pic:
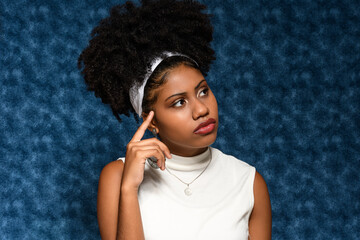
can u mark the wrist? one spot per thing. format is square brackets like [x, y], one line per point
[129, 190]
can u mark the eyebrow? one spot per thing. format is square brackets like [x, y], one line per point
[183, 93]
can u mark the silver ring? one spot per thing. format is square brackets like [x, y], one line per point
[152, 162]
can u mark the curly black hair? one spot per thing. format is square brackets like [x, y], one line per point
[123, 45]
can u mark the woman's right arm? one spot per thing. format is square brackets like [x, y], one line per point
[108, 199]
[129, 221]
[118, 209]
[118, 206]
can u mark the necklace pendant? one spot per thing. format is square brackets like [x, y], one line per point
[187, 191]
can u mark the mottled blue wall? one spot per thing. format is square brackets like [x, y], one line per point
[287, 79]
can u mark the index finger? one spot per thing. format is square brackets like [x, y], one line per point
[141, 130]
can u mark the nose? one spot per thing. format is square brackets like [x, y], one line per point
[200, 109]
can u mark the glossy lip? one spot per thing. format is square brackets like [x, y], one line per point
[204, 124]
[206, 130]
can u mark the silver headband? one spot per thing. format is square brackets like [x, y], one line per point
[137, 92]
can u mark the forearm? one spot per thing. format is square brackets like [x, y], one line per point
[129, 221]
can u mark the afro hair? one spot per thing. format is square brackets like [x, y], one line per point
[123, 45]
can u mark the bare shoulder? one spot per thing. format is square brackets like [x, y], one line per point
[261, 194]
[110, 180]
[113, 169]
[260, 186]
[260, 219]
[108, 198]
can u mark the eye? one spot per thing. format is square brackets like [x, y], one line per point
[204, 92]
[179, 103]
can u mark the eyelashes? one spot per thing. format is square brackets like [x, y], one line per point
[182, 100]
[179, 101]
[206, 90]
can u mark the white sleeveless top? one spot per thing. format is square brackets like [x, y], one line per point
[220, 204]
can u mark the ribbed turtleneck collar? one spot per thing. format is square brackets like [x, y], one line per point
[197, 162]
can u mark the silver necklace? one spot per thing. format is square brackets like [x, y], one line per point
[187, 190]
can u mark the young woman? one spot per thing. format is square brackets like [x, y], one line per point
[151, 61]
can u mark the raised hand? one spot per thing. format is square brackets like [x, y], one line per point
[137, 151]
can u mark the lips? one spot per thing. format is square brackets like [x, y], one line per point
[204, 126]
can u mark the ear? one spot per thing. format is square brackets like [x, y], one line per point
[152, 124]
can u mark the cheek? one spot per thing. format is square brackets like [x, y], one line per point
[177, 125]
[213, 104]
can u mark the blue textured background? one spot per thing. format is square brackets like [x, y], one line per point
[287, 79]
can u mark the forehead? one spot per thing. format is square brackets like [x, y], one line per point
[181, 79]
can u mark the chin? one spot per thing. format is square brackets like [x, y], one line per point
[193, 141]
[205, 140]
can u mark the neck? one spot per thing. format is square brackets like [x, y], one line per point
[197, 162]
[184, 151]
[187, 152]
